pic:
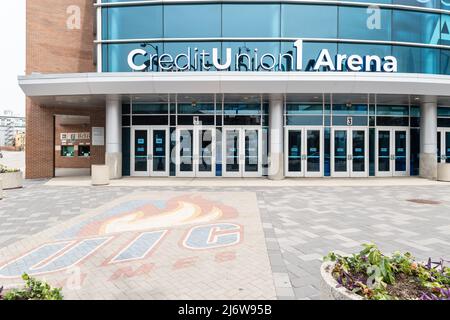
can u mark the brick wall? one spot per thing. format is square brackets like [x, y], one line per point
[54, 48]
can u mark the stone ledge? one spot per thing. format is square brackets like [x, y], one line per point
[329, 287]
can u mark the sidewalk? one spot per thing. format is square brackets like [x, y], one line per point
[247, 182]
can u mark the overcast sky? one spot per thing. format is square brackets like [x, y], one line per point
[12, 55]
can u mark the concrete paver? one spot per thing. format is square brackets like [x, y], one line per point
[286, 230]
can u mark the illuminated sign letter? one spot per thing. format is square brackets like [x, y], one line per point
[390, 64]
[216, 63]
[324, 61]
[354, 63]
[299, 46]
[132, 55]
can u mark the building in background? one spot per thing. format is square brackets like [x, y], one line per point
[10, 126]
[20, 141]
[242, 89]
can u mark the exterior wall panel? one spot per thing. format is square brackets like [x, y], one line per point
[52, 47]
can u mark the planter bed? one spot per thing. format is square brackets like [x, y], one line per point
[373, 276]
[11, 180]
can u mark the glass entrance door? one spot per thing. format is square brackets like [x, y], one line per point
[304, 152]
[392, 152]
[349, 152]
[205, 152]
[195, 152]
[150, 152]
[443, 145]
[242, 154]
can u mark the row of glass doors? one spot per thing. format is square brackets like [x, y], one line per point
[349, 152]
[195, 153]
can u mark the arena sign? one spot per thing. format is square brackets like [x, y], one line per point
[195, 59]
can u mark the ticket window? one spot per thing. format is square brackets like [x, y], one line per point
[84, 151]
[68, 151]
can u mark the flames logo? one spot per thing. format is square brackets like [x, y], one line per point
[177, 211]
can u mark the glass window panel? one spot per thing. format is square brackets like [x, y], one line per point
[242, 109]
[350, 109]
[443, 111]
[134, 22]
[364, 23]
[409, 26]
[150, 108]
[253, 55]
[191, 108]
[316, 109]
[418, 3]
[393, 121]
[192, 20]
[309, 21]
[416, 60]
[445, 62]
[251, 20]
[445, 29]
[392, 110]
[356, 121]
[304, 120]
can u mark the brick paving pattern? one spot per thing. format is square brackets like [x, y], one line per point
[287, 231]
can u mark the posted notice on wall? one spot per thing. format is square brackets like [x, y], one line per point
[98, 136]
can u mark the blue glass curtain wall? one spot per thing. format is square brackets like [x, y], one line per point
[431, 4]
[278, 21]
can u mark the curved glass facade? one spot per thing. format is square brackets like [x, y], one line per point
[262, 35]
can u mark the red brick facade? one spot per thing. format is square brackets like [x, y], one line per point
[53, 47]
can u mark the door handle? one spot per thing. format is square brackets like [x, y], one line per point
[444, 157]
[150, 157]
[392, 157]
[350, 157]
[304, 157]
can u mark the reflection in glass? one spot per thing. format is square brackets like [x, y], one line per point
[359, 151]
[447, 147]
[295, 150]
[340, 151]
[439, 150]
[313, 150]
[206, 144]
[186, 152]
[232, 150]
[251, 20]
[400, 150]
[140, 151]
[159, 150]
[384, 151]
[251, 150]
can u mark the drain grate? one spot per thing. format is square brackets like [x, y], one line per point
[423, 201]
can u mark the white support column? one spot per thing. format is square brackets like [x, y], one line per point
[428, 138]
[113, 157]
[276, 165]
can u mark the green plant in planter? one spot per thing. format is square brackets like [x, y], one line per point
[375, 276]
[34, 290]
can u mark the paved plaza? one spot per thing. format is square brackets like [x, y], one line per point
[211, 242]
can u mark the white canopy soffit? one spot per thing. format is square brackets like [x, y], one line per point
[38, 85]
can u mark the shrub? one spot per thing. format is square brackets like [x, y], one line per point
[4, 169]
[375, 276]
[34, 290]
